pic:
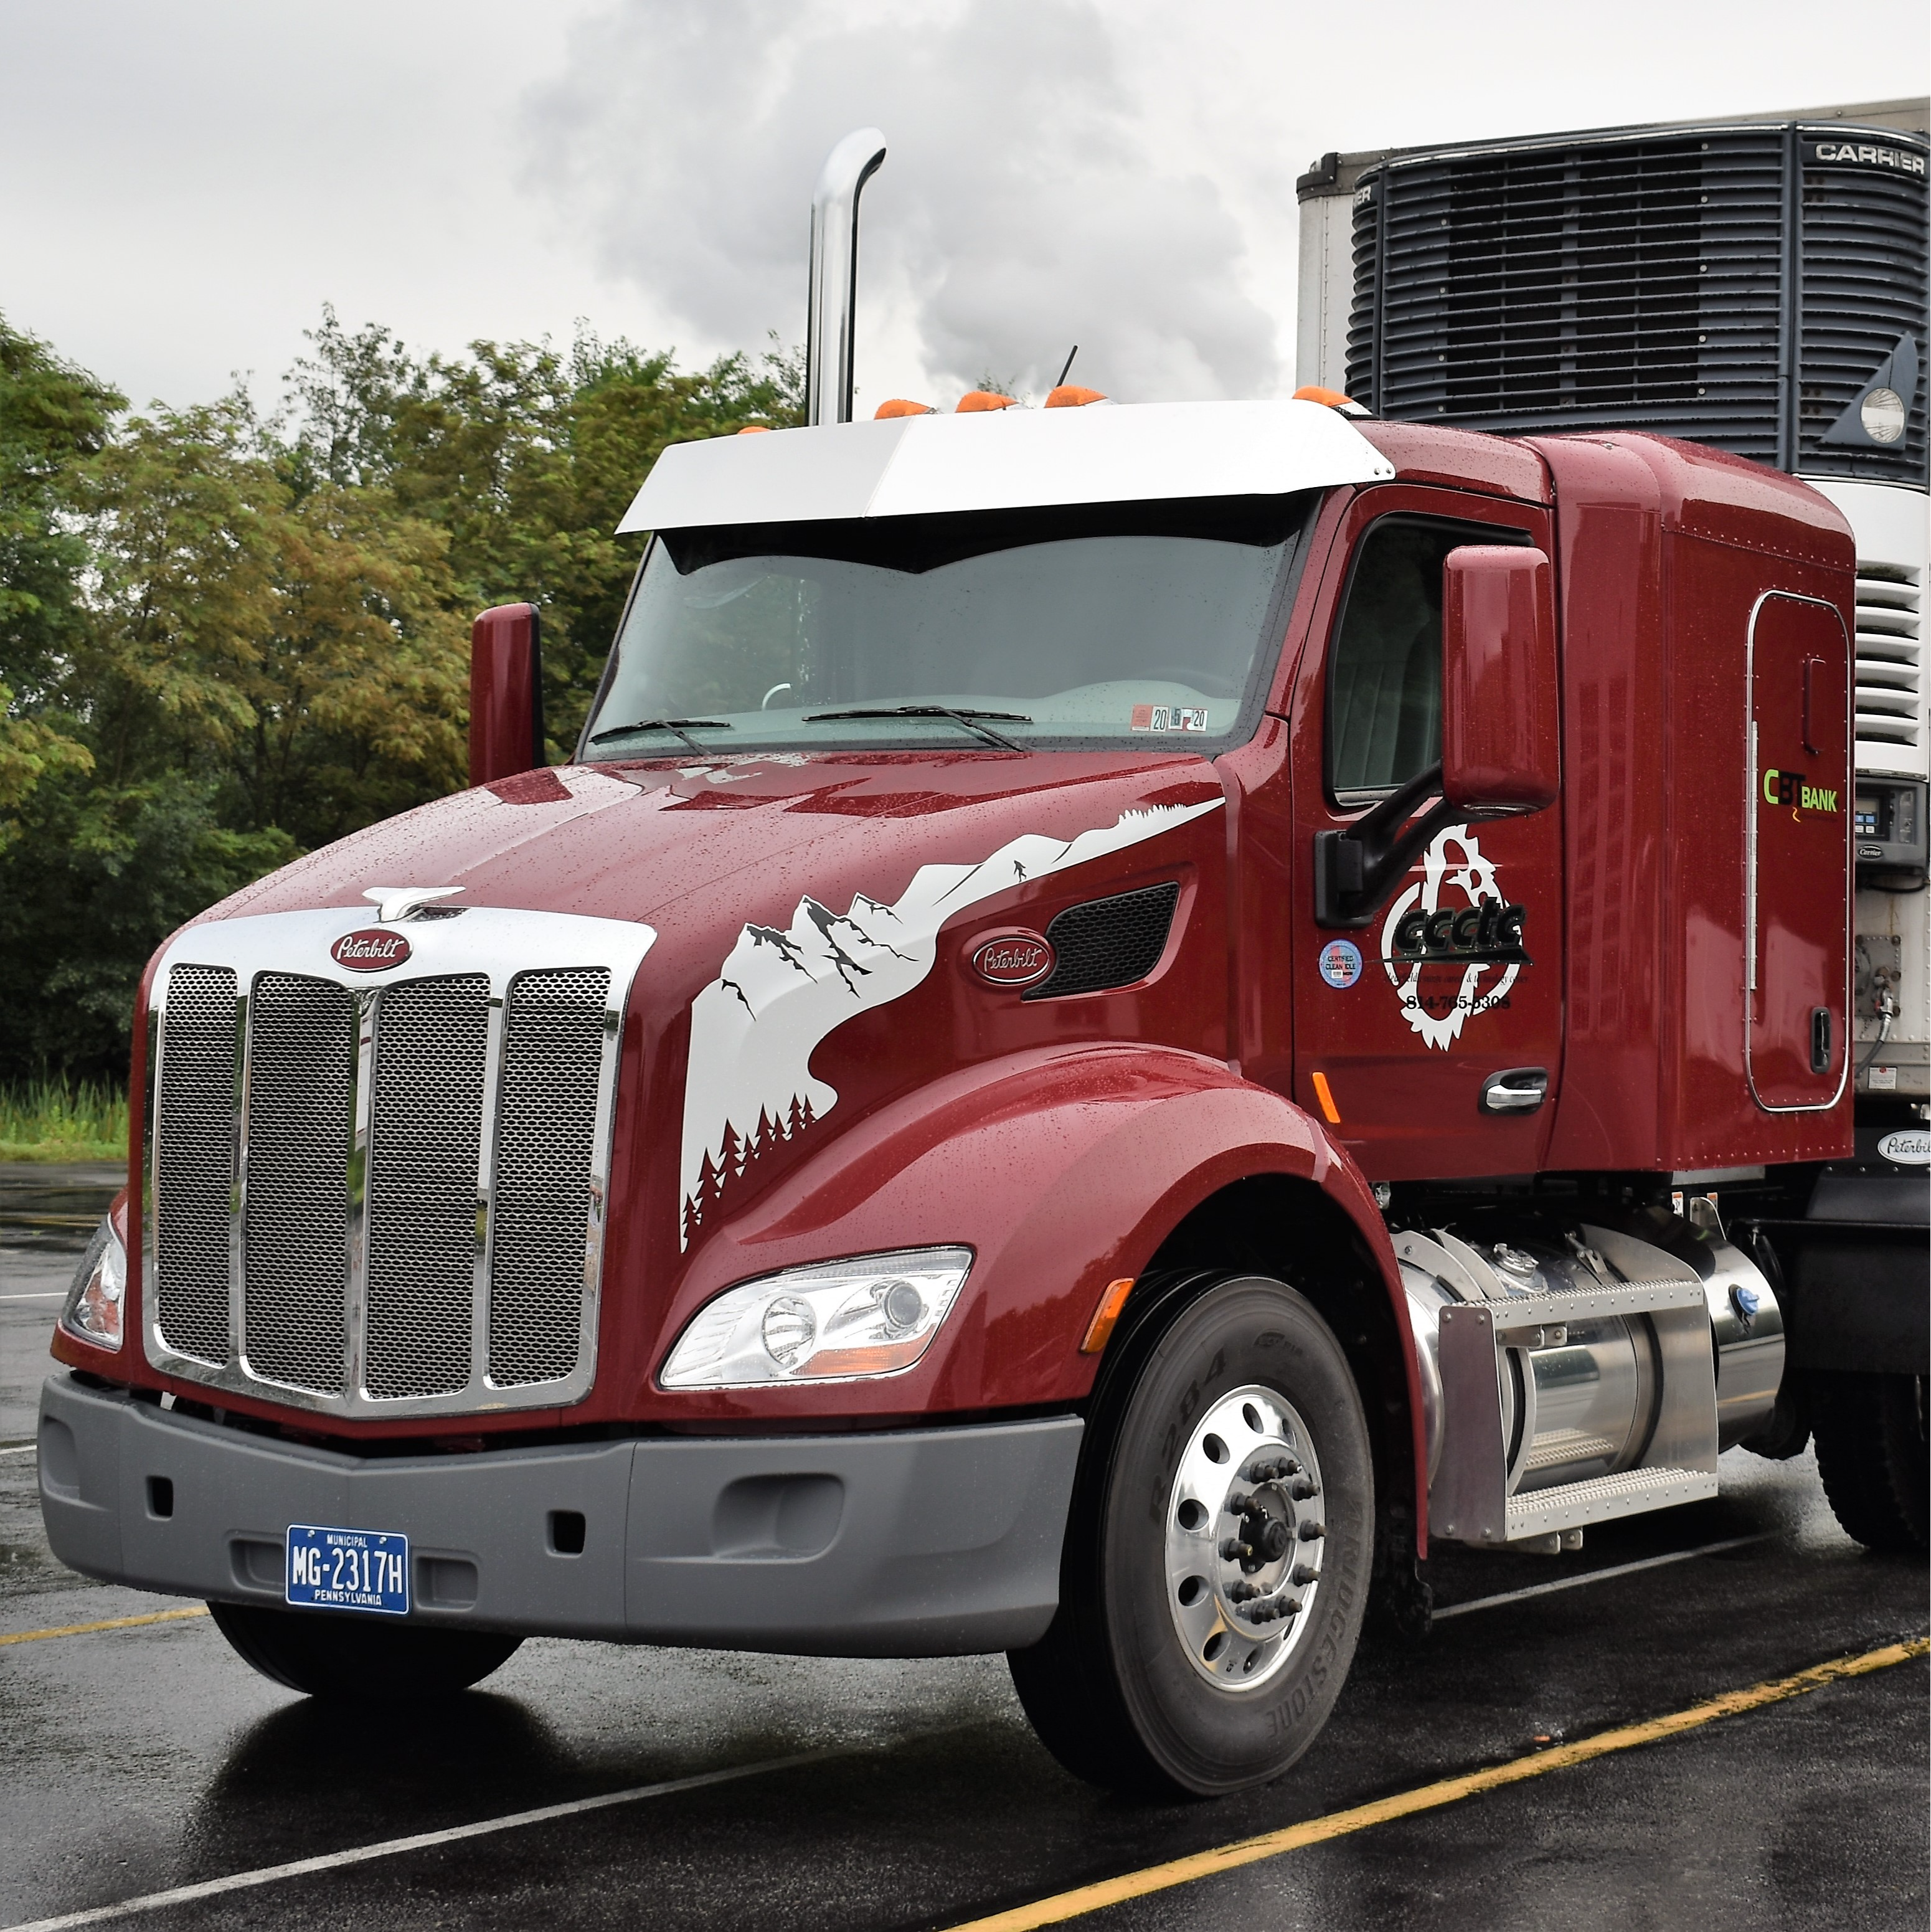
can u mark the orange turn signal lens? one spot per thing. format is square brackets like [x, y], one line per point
[985, 399]
[1331, 399]
[1100, 1328]
[1071, 396]
[901, 406]
[755, 429]
[1326, 1099]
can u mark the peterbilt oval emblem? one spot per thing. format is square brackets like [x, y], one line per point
[369, 949]
[1019, 958]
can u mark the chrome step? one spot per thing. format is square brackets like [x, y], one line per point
[1603, 1499]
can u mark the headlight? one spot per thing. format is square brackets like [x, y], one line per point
[873, 1316]
[92, 1311]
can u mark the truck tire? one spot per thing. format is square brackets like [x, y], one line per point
[340, 1657]
[1227, 1471]
[1872, 1453]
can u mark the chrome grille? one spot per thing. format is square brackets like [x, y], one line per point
[553, 1045]
[194, 1164]
[404, 1214]
[299, 1125]
[432, 1052]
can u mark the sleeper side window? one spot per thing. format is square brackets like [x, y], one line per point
[1384, 674]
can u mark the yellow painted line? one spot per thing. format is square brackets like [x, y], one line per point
[1075, 1904]
[106, 1623]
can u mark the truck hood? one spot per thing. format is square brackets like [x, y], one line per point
[721, 844]
[785, 896]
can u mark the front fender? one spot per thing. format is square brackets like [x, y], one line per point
[1063, 1169]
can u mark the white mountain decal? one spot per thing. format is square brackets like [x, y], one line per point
[754, 1028]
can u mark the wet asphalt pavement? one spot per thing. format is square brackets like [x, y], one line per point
[138, 1759]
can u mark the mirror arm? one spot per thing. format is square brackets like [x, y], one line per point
[1356, 870]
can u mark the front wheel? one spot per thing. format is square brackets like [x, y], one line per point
[339, 1656]
[1217, 1554]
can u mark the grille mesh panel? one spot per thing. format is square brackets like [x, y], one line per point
[300, 1082]
[1108, 943]
[1726, 285]
[432, 1041]
[546, 1121]
[194, 1160]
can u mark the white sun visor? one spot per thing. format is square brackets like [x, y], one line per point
[1005, 460]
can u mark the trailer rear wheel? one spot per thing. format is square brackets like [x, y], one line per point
[1218, 1555]
[341, 1658]
[1872, 1454]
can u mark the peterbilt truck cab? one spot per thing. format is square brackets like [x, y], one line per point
[1128, 1017]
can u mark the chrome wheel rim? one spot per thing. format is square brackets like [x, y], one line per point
[1244, 1538]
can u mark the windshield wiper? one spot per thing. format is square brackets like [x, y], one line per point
[970, 719]
[675, 724]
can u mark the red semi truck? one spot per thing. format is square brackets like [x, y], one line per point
[1128, 1017]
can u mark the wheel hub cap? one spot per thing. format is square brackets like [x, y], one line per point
[1244, 1538]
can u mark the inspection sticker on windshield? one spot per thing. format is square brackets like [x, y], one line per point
[1169, 718]
[347, 1569]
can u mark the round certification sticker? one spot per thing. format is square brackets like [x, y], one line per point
[1340, 962]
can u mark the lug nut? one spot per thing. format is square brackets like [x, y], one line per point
[1233, 1549]
[1305, 1575]
[1237, 1505]
[1303, 1489]
[1312, 1532]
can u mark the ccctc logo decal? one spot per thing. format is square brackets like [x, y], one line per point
[370, 950]
[1456, 916]
[1020, 958]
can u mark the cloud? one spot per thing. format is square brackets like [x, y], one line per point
[1024, 205]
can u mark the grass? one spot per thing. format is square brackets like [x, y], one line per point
[57, 1120]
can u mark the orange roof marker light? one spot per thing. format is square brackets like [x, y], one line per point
[1331, 399]
[1071, 396]
[899, 406]
[1100, 1330]
[755, 429]
[976, 399]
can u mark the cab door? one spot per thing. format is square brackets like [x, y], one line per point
[1430, 1038]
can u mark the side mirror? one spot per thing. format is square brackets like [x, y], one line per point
[505, 693]
[1500, 726]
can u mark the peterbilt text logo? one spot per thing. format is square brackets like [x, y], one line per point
[1017, 959]
[370, 950]
[1790, 788]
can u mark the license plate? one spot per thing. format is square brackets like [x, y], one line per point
[347, 1569]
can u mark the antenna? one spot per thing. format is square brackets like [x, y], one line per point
[1070, 354]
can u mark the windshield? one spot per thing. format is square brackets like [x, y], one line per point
[1110, 625]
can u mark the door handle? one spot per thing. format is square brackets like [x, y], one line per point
[1516, 1089]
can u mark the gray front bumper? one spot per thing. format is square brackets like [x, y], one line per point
[916, 1543]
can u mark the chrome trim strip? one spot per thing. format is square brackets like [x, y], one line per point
[503, 942]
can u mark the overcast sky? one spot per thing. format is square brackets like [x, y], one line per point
[185, 185]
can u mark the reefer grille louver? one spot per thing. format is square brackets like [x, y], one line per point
[394, 1195]
[1890, 662]
[1726, 285]
[1108, 943]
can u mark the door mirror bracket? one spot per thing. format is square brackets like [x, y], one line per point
[1356, 870]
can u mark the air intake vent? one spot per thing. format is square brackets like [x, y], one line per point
[1737, 287]
[1108, 943]
[1889, 666]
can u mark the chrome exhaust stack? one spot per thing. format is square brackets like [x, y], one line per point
[833, 298]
